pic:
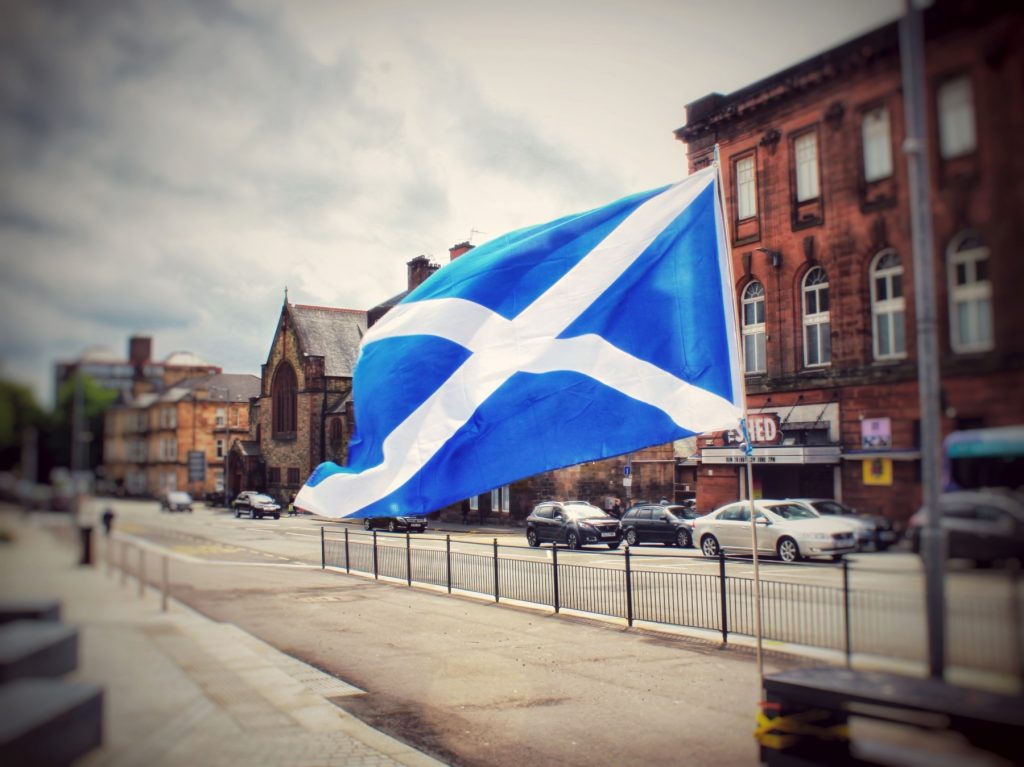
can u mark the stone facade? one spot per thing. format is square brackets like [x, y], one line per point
[319, 344]
[849, 216]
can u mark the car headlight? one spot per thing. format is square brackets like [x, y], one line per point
[587, 528]
[819, 536]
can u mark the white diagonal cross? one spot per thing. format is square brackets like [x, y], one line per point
[528, 343]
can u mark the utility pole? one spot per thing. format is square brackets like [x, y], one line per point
[933, 541]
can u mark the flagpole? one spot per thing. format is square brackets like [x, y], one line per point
[748, 450]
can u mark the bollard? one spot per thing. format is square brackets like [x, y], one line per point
[86, 538]
[163, 585]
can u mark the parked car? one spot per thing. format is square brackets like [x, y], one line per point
[574, 523]
[985, 526]
[669, 525]
[176, 500]
[256, 505]
[396, 524]
[873, 531]
[790, 530]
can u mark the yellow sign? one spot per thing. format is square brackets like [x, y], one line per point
[878, 471]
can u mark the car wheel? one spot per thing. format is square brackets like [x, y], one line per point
[572, 540]
[532, 539]
[277, 516]
[788, 550]
[613, 545]
[237, 513]
[257, 516]
[631, 537]
[709, 546]
[391, 526]
[366, 523]
[683, 539]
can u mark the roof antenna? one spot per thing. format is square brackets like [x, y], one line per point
[474, 231]
[286, 294]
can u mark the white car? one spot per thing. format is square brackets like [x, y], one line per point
[787, 529]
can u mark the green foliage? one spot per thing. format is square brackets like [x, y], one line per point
[18, 409]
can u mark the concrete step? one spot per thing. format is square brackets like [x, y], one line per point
[29, 609]
[49, 722]
[37, 649]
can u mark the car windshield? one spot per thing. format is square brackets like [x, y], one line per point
[832, 507]
[179, 497]
[583, 512]
[791, 511]
[263, 498]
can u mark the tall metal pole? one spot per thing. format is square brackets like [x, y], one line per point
[933, 543]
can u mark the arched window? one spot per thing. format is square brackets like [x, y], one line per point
[817, 320]
[753, 329]
[285, 401]
[887, 306]
[335, 432]
[970, 294]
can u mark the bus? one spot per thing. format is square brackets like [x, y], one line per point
[984, 458]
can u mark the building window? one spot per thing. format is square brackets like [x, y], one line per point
[753, 329]
[746, 189]
[887, 306]
[817, 319]
[877, 145]
[970, 295]
[220, 417]
[293, 476]
[956, 117]
[336, 432]
[274, 475]
[806, 150]
[220, 448]
[285, 401]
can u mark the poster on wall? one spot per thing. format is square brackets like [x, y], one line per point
[878, 471]
[876, 434]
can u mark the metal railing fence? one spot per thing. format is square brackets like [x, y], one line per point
[985, 630]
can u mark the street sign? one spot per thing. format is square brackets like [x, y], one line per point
[196, 466]
[627, 481]
[627, 470]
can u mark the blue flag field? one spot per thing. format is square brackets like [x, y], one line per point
[584, 338]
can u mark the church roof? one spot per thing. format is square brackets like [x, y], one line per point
[331, 333]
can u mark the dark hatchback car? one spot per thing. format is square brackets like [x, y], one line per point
[574, 523]
[256, 505]
[396, 524]
[654, 523]
[985, 526]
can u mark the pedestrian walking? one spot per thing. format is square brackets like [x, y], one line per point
[616, 510]
[292, 512]
[465, 512]
[108, 521]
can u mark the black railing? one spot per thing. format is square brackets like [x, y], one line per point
[985, 621]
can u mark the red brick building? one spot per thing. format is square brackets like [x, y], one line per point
[303, 414]
[819, 221]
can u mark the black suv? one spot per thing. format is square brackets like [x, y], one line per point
[574, 523]
[672, 524]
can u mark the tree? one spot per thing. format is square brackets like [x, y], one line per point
[18, 411]
[94, 401]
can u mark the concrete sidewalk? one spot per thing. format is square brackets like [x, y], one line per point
[181, 689]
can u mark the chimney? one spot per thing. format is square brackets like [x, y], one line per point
[459, 250]
[140, 350]
[419, 269]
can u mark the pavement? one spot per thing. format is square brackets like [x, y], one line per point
[180, 688]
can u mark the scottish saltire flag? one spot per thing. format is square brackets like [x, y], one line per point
[584, 338]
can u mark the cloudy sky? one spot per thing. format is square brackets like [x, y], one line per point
[169, 168]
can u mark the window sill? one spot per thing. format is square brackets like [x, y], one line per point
[283, 436]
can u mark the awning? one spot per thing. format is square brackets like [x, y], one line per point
[775, 454]
[895, 455]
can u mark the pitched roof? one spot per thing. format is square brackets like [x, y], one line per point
[233, 387]
[331, 333]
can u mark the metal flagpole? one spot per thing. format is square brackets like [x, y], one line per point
[743, 424]
[933, 543]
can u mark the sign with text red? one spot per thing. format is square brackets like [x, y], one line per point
[763, 429]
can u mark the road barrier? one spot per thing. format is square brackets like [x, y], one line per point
[984, 625]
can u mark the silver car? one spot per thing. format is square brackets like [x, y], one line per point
[787, 529]
[873, 531]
